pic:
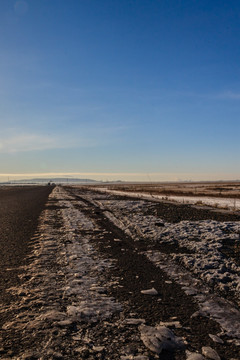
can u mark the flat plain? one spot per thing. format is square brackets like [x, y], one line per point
[229, 189]
[110, 276]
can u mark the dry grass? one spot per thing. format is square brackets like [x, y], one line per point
[214, 189]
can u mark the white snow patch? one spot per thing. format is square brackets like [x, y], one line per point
[219, 309]
[200, 242]
[228, 203]
[202, 264]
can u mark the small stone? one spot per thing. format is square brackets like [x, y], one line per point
[83, 351]
[77, 338]
[98, 348]
[159, 338]
[67, 322]
[134, 321]
[151, 291]
[174, 323]
[210, 353]
[216, 339]
[57, 356]
[194, 356]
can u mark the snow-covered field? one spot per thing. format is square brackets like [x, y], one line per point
[203, 239]
[64, 308]
[204, 259]
[219, 202]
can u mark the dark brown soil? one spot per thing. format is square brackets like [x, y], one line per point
[20, 208]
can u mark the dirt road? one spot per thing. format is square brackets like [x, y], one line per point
[20, 208]
[114, 278]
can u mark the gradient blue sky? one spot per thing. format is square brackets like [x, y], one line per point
[129, 89]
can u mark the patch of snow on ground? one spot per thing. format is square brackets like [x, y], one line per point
[228, 203]
[53, 298]
[200, 244]
[222, 311]
[204, 240]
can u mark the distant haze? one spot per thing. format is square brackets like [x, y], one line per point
[49, 180]
[151, 177]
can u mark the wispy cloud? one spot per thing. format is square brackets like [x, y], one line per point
[27, 142]
[225, 95]
[33, 142]
[15, 140]
[229, 95]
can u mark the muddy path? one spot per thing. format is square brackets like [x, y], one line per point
[20, 208]
[93, 289]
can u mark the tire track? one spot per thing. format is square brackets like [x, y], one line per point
[136, 273]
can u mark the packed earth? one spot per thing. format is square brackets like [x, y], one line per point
[110, 276]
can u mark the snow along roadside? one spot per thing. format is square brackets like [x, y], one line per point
[204, 265]
[223, 203]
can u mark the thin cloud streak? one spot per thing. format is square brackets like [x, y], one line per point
[229, 95]
[86, 135]
[27, 142]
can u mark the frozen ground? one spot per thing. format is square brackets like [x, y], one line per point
[200, 242]
[108, 279]
[219, 202]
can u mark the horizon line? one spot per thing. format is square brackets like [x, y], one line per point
[127, 176]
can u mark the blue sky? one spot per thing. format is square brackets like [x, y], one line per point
[129, 89]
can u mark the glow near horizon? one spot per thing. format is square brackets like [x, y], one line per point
[150, 177]
[123, 90]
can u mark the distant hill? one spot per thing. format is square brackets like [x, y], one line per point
[54, 180]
